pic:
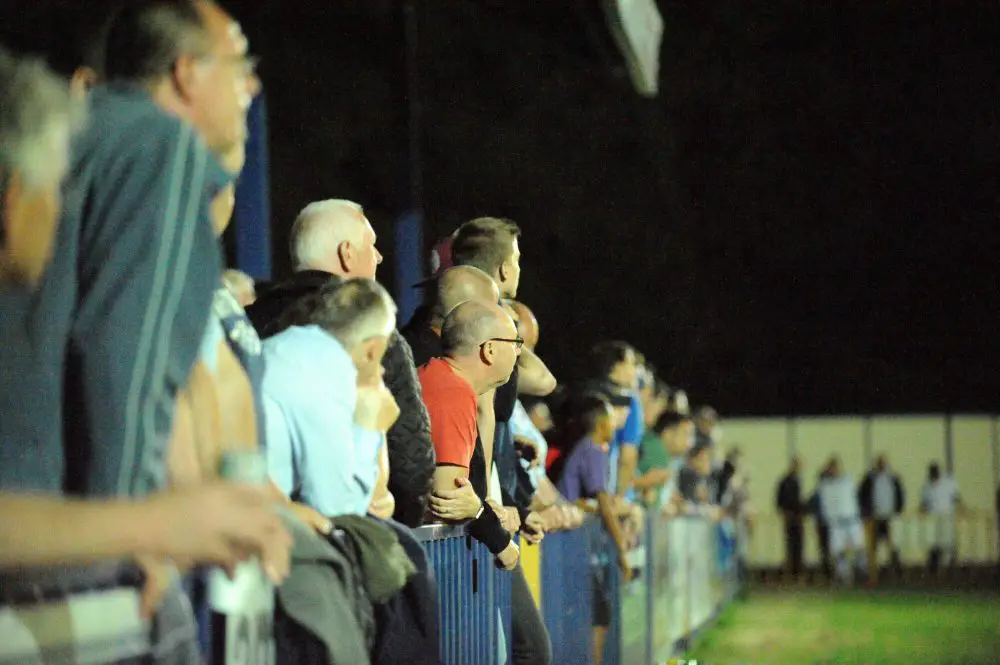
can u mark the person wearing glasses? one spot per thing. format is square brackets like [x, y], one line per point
[480, 346]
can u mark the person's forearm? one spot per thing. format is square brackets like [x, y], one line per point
[486, 422]
[488, 530]
[534, 378]
[606, 507]
[237, 412]
[38, 531]
[649, 480]
[626, 468]
[183, 466]
[204, 418]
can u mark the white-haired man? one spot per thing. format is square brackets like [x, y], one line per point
[332, 241]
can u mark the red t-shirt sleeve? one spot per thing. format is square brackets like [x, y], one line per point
[453, 426]
[451, 405]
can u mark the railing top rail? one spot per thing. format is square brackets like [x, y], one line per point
[432, 532]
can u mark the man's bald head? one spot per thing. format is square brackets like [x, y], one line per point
[470, 324]
[461, 284]
[527, 323]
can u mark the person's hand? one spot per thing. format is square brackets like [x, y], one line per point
[312, 518]
[623, 564]
[383, 505]
[659, 475]
[533, 528]
[461, 503]
[576, 516]
[220, 523]
[509, 557]
[389, 412]
[529, 450]
[504, 515]
[553, 518]
[513, 518]
[160, 575]
[369, 406]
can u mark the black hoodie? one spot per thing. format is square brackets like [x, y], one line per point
[411, 454]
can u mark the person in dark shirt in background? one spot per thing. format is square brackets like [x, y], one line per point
[822, 529]
[694, 483]
[789, 503]
[583, 477]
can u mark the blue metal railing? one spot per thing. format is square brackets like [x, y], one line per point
[473, 597]
[567, 596]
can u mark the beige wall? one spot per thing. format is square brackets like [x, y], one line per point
[764, 443]
[909, 442]
[972, 446]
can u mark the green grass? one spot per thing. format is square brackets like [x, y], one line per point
[854, 627]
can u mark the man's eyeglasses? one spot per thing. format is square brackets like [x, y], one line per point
[518, 342]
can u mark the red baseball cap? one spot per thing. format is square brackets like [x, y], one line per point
[440, 259]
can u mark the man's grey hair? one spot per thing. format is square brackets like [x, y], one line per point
[352, 311]
[146, 38]
[320, 228]
[37, 117]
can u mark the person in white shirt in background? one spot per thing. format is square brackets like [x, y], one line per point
[839, 503]
[939, 501]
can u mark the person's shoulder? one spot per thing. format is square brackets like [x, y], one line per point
[307, 348]
[125, 111]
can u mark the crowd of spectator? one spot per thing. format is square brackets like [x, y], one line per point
[853, 519]
[161, 421]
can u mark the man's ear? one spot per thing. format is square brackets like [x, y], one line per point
[345, 255]
[184, 75]
[83, 80]
[502, 273]
[486, 353]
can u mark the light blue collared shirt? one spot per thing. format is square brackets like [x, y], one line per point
[314, 449]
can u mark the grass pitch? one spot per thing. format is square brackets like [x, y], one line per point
[853, 628]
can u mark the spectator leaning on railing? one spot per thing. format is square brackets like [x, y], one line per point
[669, 447]
[327, 413]
[582, 477]
[479, 352]
[616, 362]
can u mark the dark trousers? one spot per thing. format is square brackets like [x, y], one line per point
[407, 624]
[793, 545]
[530, 644]
[880, 530]
[823, 533]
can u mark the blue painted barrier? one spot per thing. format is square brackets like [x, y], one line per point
[567, 596]
[473, 597]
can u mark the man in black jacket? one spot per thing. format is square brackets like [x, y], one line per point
[789, 502]
[881, 498]
[334, 240]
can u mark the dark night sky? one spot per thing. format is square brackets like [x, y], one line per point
[803, 222]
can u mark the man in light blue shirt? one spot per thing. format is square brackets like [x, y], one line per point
[324, 398]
